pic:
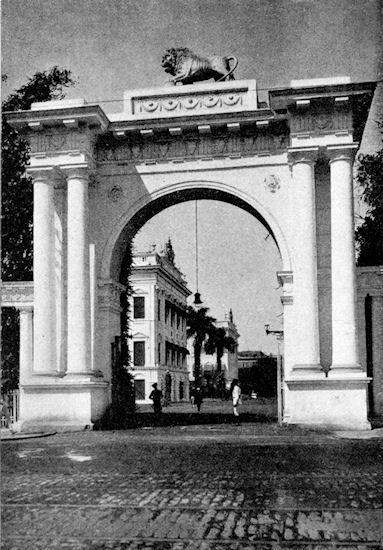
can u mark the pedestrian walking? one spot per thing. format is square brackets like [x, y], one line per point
[236, 396]
[168, 387]
[198, 398]
[156, 397]
[192, 398]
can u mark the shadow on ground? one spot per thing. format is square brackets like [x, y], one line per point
[142, 419]
[213, 412]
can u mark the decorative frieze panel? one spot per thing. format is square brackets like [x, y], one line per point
[194, 147]
[185, 104]
[339, 120]
[54, 141]
[191, 100]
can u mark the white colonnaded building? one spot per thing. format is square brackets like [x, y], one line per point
[158, 325]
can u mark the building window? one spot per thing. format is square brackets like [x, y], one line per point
[139, 388]
[159, 353]
[159, 309]
[139, 354]
[139, 307]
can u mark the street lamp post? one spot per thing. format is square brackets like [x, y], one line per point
[279, 336]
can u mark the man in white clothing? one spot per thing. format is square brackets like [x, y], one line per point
[236, 396]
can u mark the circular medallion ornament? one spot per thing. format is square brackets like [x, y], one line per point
[322, 120]
[211, 101]
[231, 99]
[170, 104]
[57, 142]
[272, 183]
[190, 103]
[115, 193]
[150, 106]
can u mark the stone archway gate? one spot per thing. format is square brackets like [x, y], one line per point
[98, 178]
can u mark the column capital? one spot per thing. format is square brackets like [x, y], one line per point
[44, 174]
[78, 171]
[24, 308]
[347, 151]
[306, 155]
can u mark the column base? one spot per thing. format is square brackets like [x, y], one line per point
[63, 405]
[328, 403]
[352, 370]
[307, 370]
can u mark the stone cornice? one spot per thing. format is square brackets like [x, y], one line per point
[284, 97]
[58, 114]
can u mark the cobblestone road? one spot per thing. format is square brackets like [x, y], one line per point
[194, 488]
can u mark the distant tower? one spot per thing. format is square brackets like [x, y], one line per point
[168, 251]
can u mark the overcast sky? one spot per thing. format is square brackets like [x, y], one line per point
[114, 45]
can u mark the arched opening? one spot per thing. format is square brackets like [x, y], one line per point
[142, 212]
[144, 209]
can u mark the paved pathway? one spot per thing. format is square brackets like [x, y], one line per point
[206, 487]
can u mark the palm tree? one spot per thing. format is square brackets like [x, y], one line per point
[219, 341]
[200, 326]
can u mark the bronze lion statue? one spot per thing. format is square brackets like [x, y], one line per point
[186, 67]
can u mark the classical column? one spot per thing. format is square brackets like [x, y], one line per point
[302, 161]
[44, 271]
[343, 271]
[26, 342]
[78, 277]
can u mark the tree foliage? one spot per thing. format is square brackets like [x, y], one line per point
[369, 235]
[217, 342]
[124, 381]
[17, 205]
[17, 194]
[10, 343]
[200, 326]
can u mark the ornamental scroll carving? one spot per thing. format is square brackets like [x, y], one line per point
[109, 150]
[202, 102]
